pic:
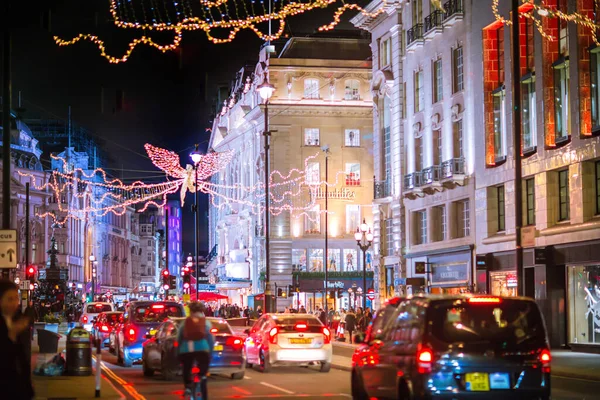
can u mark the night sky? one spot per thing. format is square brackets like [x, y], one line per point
[168, 98]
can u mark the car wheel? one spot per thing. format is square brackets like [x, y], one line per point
[146, 369]
[119, 358]
[403, 391]
[238, 375]
[264, 364]
[358, 391]
[165, 369]
[325, 366]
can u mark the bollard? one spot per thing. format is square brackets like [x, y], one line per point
[98, 365]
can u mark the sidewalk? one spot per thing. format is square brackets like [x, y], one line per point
[565, 363]
[68, 387]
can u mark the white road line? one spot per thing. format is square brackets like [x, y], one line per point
[277, 388]
[247, 377]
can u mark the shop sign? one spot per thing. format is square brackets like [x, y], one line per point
[450, 274]
[318, 284]
[336, 194]
[539, 256]
[528, 236]
[511, 281]
[399, 281]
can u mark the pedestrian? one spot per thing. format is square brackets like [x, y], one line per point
[350, 325]
[302, 310]
[15, 368]
[31, 313]
[323, 316]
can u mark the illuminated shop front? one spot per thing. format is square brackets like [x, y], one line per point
[584, 303]
[503, 283]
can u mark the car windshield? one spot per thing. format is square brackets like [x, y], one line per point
[219, 327]
[98, 308]
[508, 324]
[113, 318]
[152, 313]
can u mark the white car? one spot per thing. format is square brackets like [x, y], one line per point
[92, 310]
[288, 339]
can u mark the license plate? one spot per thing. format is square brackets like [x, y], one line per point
[218, 347]
[478, 382]
[499, 380]
[300, 340]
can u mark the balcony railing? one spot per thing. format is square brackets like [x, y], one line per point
[413, 181]
[453, 8]
[413, 34]
[382, 189]
[433, 20]
[453, 167]
[432, 174]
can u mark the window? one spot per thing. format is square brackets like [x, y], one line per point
[419, 153]
[312, 220]
[563, 32]
[457, 70]
[595, 86]
[419, 91]
[351, 91]
[438, 216]
[311, 136]
[438, 90]
[443, 223]
[499, 124]
[500, 54]
[421, 225]
[562, 115]
[457, 135]
[437, 147]
[313, 173]
[563, 195]
[385, 124]
[530, 201]
[149, 256]
[352, 174]
[417, 12]
[528, 112]
[389, 237]
[352, 218]
[501, 210]
[463, 217]
[311, 88]
[597, 187]
[385, 53]
[149, 242]
[352, 138]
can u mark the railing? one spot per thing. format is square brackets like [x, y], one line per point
[455, 166]
[413, 180]
[212, 254]
[452, 7]
[382, 189]
[414, 33]
[433, 20]
[432, 174]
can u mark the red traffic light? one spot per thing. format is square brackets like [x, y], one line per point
[165, 272]
[186, 285]
[31, 270]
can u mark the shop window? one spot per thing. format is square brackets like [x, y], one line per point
[311, 136]
[352, 218]
[351, 91]
[389, 237]
[313, 173]
[421, 227]
[501, 210]
[352, 138]
[584, 297]
[458, 139]
[333, 260]
[528, 113]
[315, 260]
[311, 88]
[530, 201]
[503, 283]
[438, 87]
[563, 195]
[299, 259]
[350, 260]
[352, 174]
[419, 91]
[457, 70]
[438, 151]
[312, 220]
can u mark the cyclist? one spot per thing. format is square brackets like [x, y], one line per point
[195, 346]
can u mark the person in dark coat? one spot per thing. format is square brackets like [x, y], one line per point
[15, 368]
[350, 324]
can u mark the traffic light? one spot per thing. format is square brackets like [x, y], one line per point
[280, 292]
[340, 293]
[331, 294]
[31, 273]
[165, 279]
[172, 282]
[187, 279]
[290, 290]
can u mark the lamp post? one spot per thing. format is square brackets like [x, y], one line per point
[364, 239]
[326, 151]
[92, 259]
[189, 264]
[196, 157]
[266, 90]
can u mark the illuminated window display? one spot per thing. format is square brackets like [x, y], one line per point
[584, 304]
[503, 283]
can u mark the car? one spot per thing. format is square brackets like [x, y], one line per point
[104, 324]
[458, 347]
[92, 310]
[288, 339]
[160, 350]
[141, 318]
[112, 336]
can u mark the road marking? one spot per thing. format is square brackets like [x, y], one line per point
[240, 390]
[126, 385]
[573, 378]
[277, 388]
[247, 377]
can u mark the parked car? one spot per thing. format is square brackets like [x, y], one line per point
[104, 324]
[457, 347]
[92, 310]
[112, 336]
[141, 318]
[288, 339]
[160, 350]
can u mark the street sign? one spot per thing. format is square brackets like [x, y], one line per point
[371, 294]
[24, 285]
[8, 248]
[203, 287]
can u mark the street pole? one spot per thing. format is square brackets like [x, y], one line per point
[364, 296]
[167, 240]
[516, 102]
[27, 242]
[326, 150]
[6, 102]
[197, 233]
[266, 133]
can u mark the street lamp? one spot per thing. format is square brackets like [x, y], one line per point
[92, 259]
[266, 90]
[364, 239]
[196, 157]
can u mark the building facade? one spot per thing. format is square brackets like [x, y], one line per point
[321, 101]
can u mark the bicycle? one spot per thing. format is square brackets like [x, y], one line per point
[195, 391]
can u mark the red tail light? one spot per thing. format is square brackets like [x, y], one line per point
[130, 334]
[484, 300]
[195, 370]
[234, 342]
[327, 335]
[85, 319]
[104, 328]
[214, 330]
[545, 358]
[424, 360]
[273, 335]
[301, 327]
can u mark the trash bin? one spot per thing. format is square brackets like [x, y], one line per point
[79, 352]
[47, 341]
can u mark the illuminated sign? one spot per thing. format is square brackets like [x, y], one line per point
[336, 194]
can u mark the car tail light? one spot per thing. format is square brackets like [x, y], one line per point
[301, 326]
[545, 358]
[104, 328]
[484, 300]
[234, 342]
[158, 307]
[130, 334]
[214, 330]
[273, 335]
[85, 319]
[424, 360]
[195, 370]
[327, 335]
